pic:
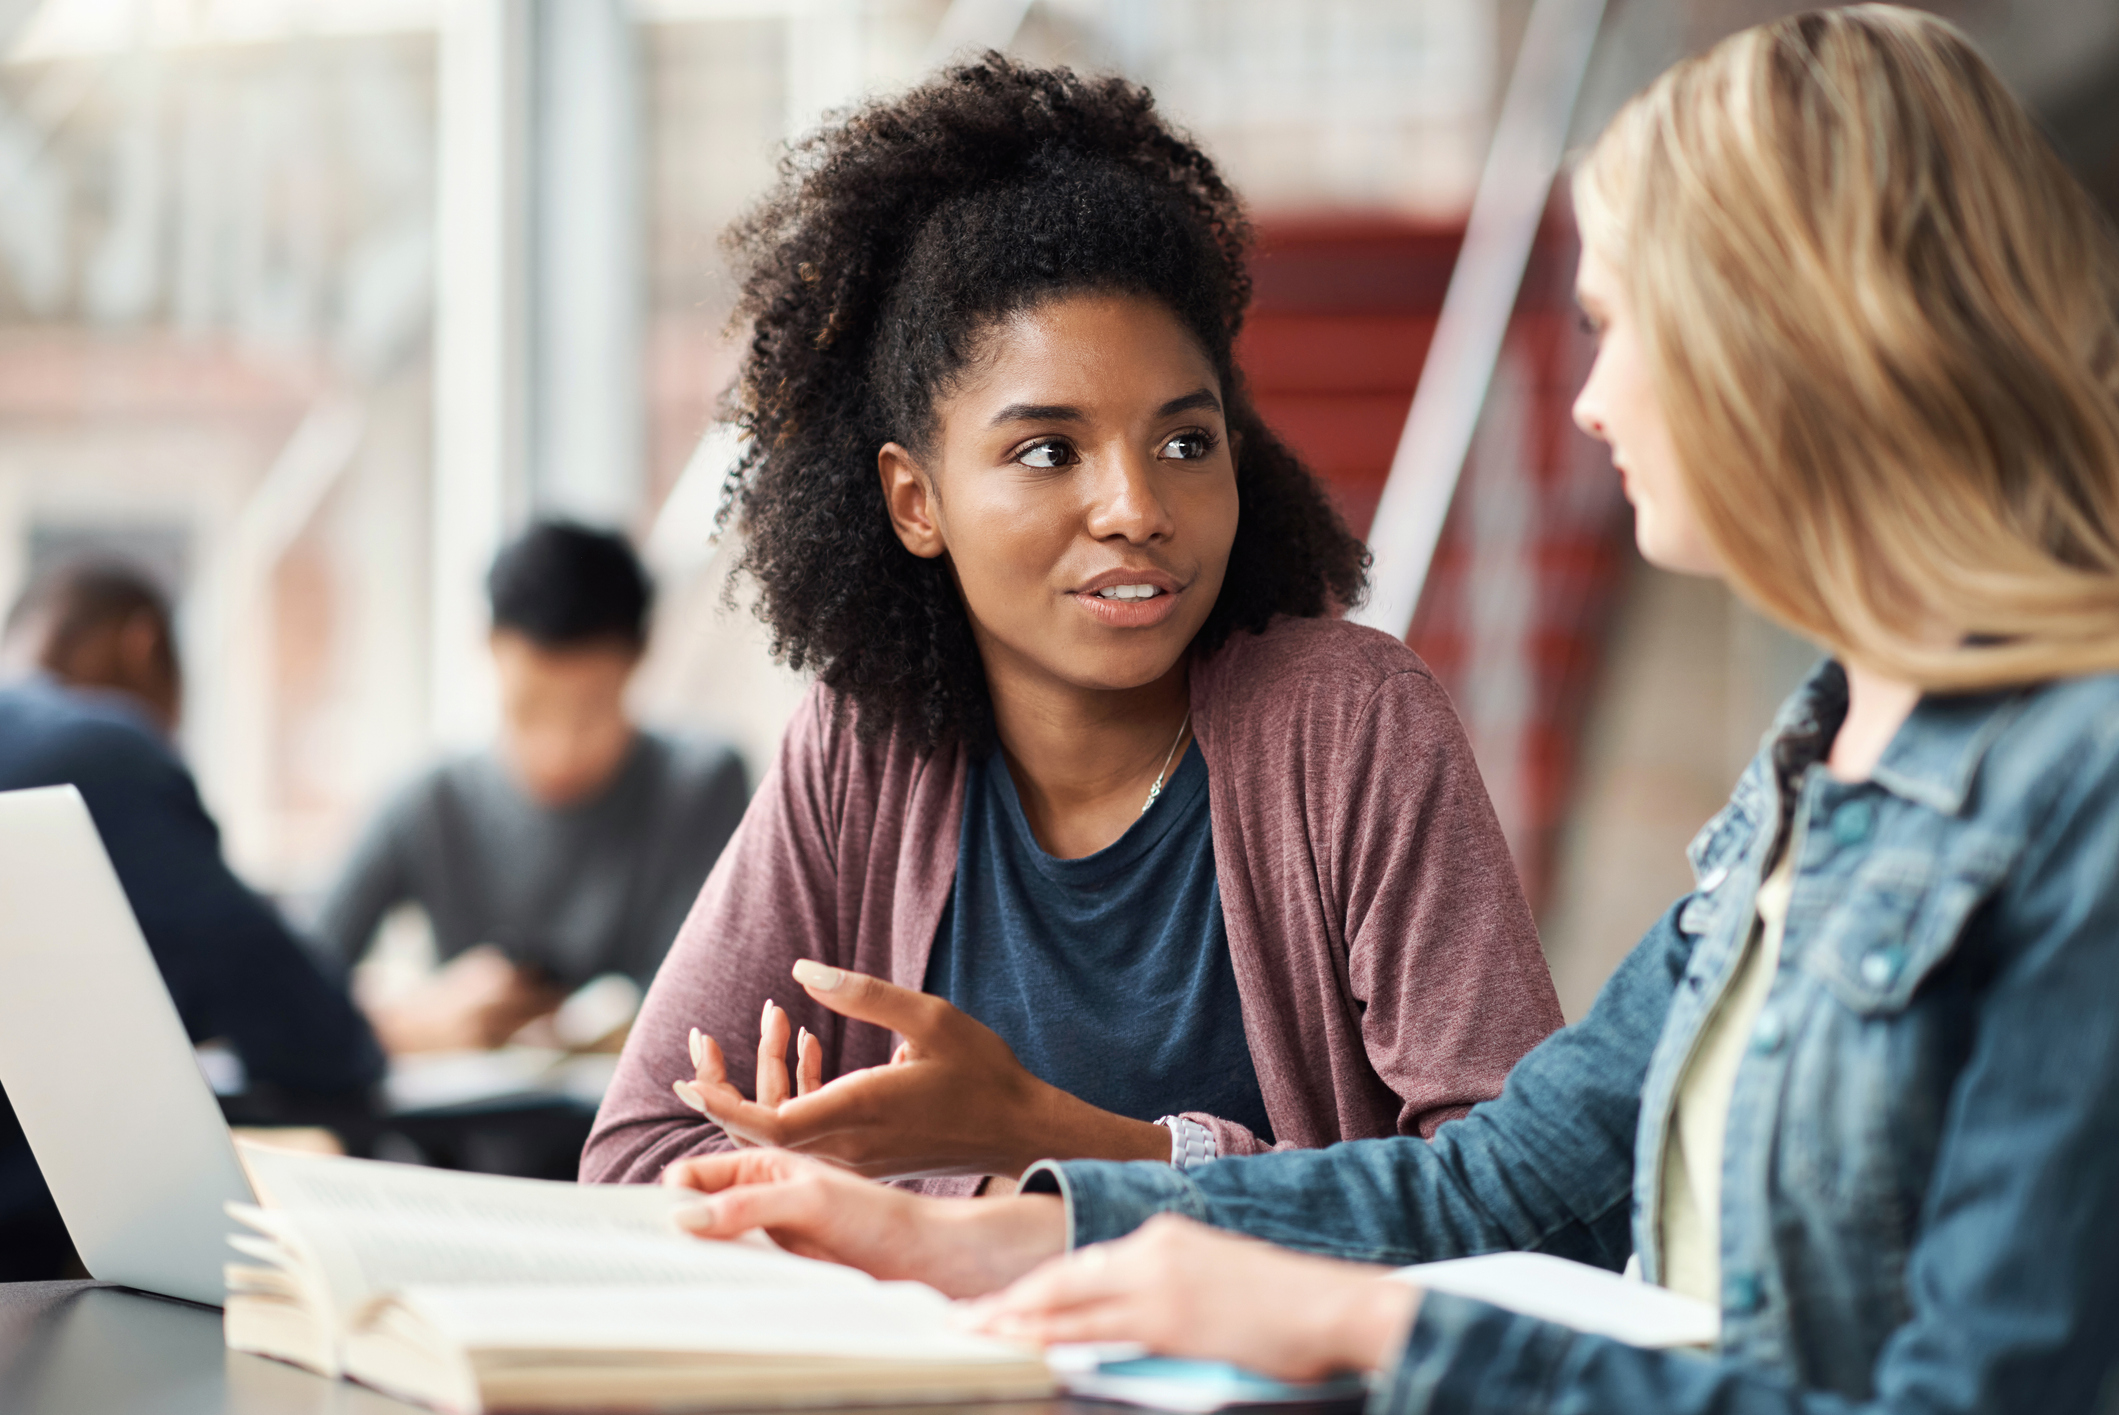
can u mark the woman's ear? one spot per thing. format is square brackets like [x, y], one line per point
[910, 497]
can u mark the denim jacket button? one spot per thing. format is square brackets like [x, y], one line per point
[1852, 822]
[1767, 1037]
[1743, 1293]
[1880, 965]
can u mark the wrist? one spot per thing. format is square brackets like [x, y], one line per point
[1060, 1126]
[994, 1243]
[1368, 1326]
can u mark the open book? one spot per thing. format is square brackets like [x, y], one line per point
[472, 1293]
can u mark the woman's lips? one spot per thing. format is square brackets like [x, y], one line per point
[1128, 613]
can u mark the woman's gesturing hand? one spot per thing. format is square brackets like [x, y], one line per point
[817, 1211]
[1184, 1289]
[953, 1099]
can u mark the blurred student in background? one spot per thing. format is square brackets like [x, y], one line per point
[570, 849]
[92, 698]
[1858, 355]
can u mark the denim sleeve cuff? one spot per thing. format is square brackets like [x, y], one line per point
[1466, 1355]
[1108, 1199]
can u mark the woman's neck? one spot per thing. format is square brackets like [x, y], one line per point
[1083, 759]
[1877, 706]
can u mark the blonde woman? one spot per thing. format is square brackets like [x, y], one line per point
[1859, 357]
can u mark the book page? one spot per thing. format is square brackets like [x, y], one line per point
[368, 1228]
[1574, 1295]
[880, 1321]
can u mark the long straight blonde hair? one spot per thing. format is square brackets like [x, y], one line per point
[1883, 323]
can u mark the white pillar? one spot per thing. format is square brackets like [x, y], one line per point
[587, 408]
[481, 352]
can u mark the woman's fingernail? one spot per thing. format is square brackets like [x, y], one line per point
[689, 1094]
[699, 1215]
[765, 1018]
[698, 1050]
[812, 974]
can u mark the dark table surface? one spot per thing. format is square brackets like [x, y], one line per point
[83, 1348]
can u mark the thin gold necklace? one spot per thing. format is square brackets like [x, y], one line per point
[1157, 789]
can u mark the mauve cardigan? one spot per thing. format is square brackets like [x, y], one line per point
[1389, 971]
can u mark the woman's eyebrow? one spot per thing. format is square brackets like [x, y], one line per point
[1202, 398]
[1037, 413]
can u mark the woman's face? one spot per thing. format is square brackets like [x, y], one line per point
[1083, 488]
[1618, 406]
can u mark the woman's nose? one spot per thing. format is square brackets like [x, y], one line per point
[1125, 501]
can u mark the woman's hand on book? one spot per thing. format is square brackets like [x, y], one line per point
[953, 1099]
[1184, 1289]
[817, 1210]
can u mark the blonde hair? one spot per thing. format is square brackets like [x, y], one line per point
[1882, 320]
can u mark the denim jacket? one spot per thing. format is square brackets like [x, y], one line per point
[1920, 1178]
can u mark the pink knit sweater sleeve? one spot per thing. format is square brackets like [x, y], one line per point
[1442, 953]
[1389, 965]
[772, 898]
[844, 856]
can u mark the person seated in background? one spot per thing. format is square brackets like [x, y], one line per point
[1858, 355]
[91, 701]
[1098, 803]
[569, 850]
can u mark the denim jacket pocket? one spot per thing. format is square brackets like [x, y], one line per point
[1902, 915]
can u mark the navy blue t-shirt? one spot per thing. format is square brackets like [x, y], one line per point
[1108, 975]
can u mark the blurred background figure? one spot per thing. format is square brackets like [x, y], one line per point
[568, 851]
[92, 692]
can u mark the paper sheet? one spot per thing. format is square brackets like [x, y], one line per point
[1575, 1295]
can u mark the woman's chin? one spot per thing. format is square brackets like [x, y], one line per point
[1680, 555]
[1122, 670]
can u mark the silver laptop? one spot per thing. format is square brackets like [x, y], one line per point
[97, 1066]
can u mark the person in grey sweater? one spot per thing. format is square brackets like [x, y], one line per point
[573, 847]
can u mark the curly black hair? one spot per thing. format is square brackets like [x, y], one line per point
[894, 240]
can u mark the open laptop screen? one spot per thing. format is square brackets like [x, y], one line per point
[97, 1063]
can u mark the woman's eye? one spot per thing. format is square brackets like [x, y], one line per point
[1188, 446]
[1047, 454]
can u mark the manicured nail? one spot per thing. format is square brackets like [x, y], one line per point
[699, 1215]
[765, 1018]
[801, 1040]
[689, 1094]
[812, 974]
[698, 1050]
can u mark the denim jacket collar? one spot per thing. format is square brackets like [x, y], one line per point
[1931, 759]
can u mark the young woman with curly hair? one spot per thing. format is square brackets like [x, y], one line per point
[1858, 354]
[1096, 804]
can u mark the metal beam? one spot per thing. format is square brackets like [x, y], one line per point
[1520, 165]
